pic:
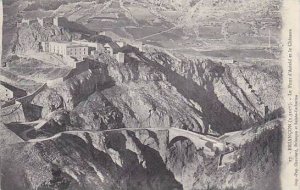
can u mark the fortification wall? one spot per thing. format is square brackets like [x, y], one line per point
[9, 103]
[8, 137]
[70, 61]
[27, 99]
[80, 67]
[13, 113]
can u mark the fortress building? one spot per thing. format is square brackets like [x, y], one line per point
[9, 92]
[58, 21]
[111, 48]
[45, 21]
[66, 48]
[80, 49]
[29, 21]
[69, 49]
[93, 45]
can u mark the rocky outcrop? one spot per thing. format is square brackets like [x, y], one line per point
[71, 92]
[146, 99]
[196, 84]
[125, 160]
[96, 112]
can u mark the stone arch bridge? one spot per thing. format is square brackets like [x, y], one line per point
[206, 143]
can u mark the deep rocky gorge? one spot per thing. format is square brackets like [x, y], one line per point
[135, 160]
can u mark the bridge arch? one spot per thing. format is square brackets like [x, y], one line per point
[208, 144]
[179, 138]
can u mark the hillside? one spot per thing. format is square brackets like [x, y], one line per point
[183, 26]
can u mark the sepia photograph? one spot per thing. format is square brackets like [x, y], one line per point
[146, 95]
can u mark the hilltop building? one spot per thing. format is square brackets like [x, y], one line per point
[121, 44]
[9, 92]
[29, 21]
[120, 57]
[94, 45]
[45, 46]
[45, 21]
[80, 49]
[69, 49]
[123, 41]
[139, 45]
[58, 21]
[111, 48]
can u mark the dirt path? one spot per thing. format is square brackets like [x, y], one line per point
[129, 13]
[164, 31]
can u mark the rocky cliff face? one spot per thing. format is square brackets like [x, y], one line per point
[116, 160]
[236, 88]
[71, 92]
[150, 95]
[258, 171]
[157, 91]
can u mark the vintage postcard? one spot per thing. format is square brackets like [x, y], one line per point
[149, 94]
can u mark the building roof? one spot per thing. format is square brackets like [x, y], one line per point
[82, 40]
[10, 87]
[71, 44]
[45, 17]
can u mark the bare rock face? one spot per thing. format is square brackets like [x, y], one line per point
[55, 101]
[258, 171]
[97, 113]
[131, 163]
[155, 99]
[182, 157]
[71, 92]
[238, 89]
